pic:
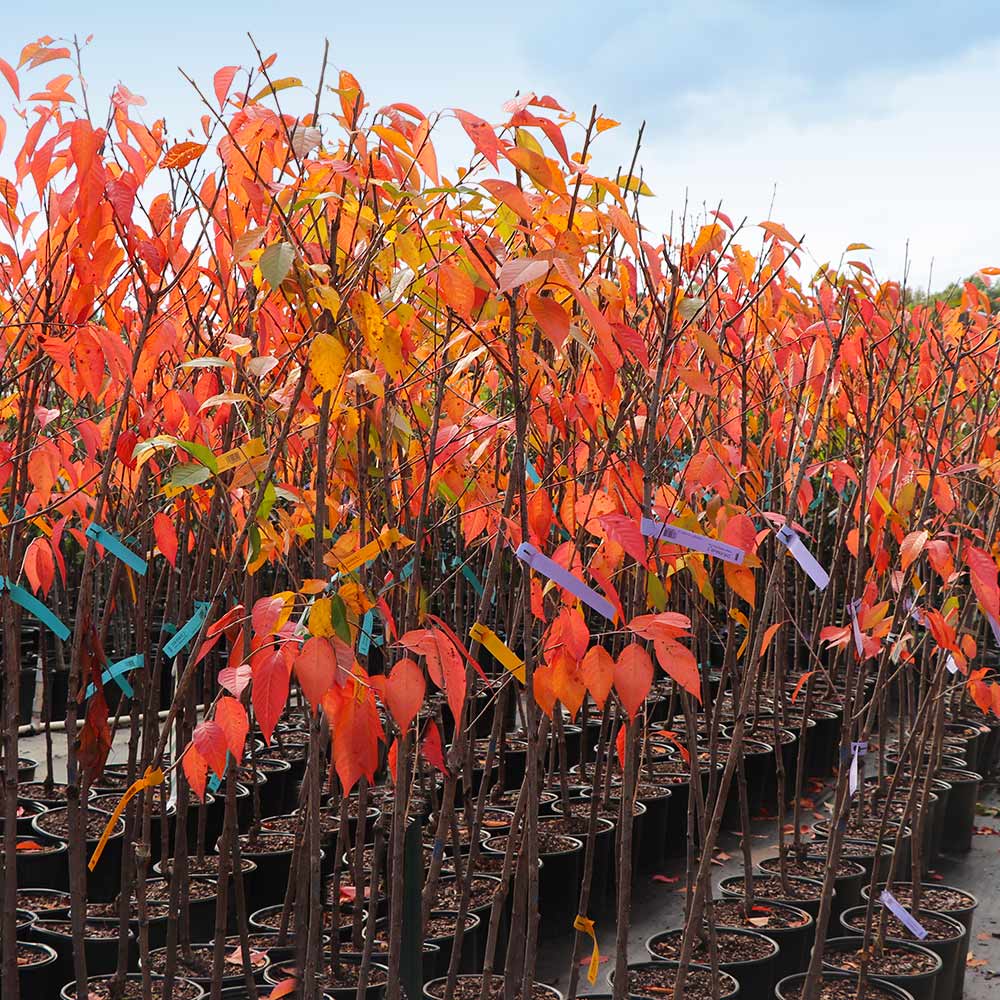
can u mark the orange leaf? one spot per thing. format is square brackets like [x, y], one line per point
[597, 669]
[316, 669]
[166, 538]
[39, 566]
[181, 154]
[679, 662]
[769, 635]
[195, 770]
[800, 684]
[404, 692]
[633, 677]
[912, 546]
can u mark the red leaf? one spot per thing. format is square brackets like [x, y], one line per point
[404, 693]
[231, 617]
[266, 614]
[482, 135]
[356, 731]
[209, 739]
[666, 625]
[232, 717]
[270, 691]
[11, 77]
[983, 574]
[236, 679]
[391, 758]
[166, 538]
[625, 532]
[633, 677]
[911, 547]
[432, 749]
[316, 669]
[679, 662]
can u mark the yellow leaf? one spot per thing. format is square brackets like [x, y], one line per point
[634, 184]
[354, 597]
[858, 246]
[321, 618]
[326, 361]
[327, 298]
[381, 338]
[275, 85]
[603, 124]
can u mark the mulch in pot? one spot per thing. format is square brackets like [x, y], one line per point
[102, 988]
[890, 960]
[732, 946]
[656, 980]
[469, 988]
[840, 987]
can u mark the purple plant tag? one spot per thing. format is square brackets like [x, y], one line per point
[906, 918]
[853, 608]
[563, 578]
[789, 537]
[691, 540]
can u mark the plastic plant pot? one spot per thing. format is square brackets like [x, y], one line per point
[728, 988]
[755, 975]
[920, 985]
[790, 987]
[99, 987]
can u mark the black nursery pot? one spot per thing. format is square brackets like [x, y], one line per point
[268, 883]
[26, 696]
[435, 989]
[28, 810]
[790, 987]
[104, 882]
[755, 976]
[867, 859]
[949, 950]
[559, 870]
[960, 813]
[101, 952]
[184, 989]
[47, 868]
[280, 971]
[728, 987]
[40, 902]
[26, 768]
[277, 794]
[921, 985]
[793, 941]
[40, 978]
[847, 886]
[473, 944]
[656, 825]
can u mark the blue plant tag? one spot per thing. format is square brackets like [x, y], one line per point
[182, 638]
[35, 607]
[116, 672]
[116, 547]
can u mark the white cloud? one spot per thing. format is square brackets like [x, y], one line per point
[890, 158]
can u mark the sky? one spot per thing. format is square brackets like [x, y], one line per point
[845, 121]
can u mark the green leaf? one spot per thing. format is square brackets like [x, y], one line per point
[338, 615]
[188, 474]
[276, 262]
[202, 454]
[270, 496]
[254, 543]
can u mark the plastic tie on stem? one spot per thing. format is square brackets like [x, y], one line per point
[586, 925]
